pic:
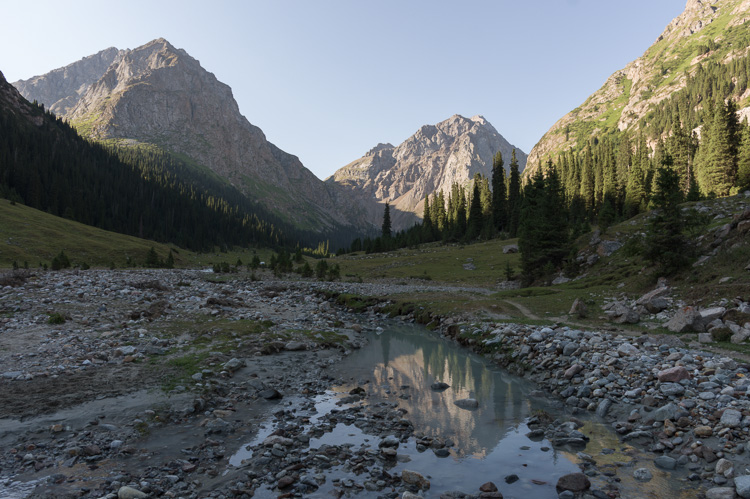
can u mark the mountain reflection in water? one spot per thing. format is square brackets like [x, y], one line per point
[403, 362]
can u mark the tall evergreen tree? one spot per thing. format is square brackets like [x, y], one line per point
[475, 222]
[386, 228]
[743, 159]
[499, 199]
[514, 196]
[666, 246]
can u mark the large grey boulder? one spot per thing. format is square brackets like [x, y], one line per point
[684, 320]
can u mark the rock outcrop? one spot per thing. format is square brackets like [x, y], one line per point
[429, 161]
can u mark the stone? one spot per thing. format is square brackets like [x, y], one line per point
[720, 493]
[703, 431]
[709, 314]
[627, 350]
[579, 309]
[295, 346]
[665, 462]
[723, 466]
[270, 394]
[574, 482]
[416, 479]
[286, 482]
[684, 320]
[671, 389]
[643, 475]
[488, 487]
[467, 403]
[622, 314]
[606, 248]
[731, 418]
[510, 248]
[654, 301]
[233, 365]
[668, 411]
[569, 349]
[390, 441]
[673, 374]
[603, 408]
[742, 486]
[130, 493]
[439, 385]
[572, 371]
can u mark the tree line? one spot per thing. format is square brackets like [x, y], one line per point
[136, 191]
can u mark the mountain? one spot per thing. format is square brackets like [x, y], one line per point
[46, 165]
[432, 159]
[708, 32]
[158, 95]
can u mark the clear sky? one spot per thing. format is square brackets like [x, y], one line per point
[327, 80]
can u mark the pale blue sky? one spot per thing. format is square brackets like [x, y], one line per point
[328, 80]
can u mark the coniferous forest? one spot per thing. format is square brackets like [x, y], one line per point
[694, 138]
[134, 191]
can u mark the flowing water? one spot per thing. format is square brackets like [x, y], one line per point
[490, 442]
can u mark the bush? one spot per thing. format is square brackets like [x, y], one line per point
[61, 261]
[56, 318]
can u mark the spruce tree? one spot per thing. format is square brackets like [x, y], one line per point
[666, 246]
[514, 196]
[743, 159]
[499, 200]
[475, 222]
[386, 228]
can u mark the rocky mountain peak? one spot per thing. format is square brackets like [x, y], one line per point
[378, 148]
[431, 160]
[159, 94]
[60, 89]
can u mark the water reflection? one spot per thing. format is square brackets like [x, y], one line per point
[402, 364]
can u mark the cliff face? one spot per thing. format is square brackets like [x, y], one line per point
[157, 94]
[431, 160]
[628, 94]
[60, 89]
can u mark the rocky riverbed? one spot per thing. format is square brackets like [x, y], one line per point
[187, 384]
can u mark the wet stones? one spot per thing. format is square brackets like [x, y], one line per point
[416, 479]
[574, 482]
[468, 403]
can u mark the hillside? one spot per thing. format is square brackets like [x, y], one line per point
[158, 95]
[46, 165]
[431, 160]
[707, 32]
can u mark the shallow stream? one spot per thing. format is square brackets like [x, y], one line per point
[490, 443]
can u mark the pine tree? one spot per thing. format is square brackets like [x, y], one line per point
[499, 200]
[427, 227]
[666, 246]
[743, 159]
[386, 228]
[514, 196]
[475, 222]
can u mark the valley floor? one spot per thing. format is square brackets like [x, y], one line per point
[151, 382]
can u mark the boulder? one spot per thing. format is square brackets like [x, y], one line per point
[510, 248]
[709, 314]
[654, 301]
[606, 248]
[673, 374]
[742, 486]
[622, 314]
[130, 493]
[684, 320]
[720, 493]
[579, 309]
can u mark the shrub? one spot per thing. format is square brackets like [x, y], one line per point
[61, 261]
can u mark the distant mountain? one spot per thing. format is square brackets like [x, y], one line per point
[157, 95]
[707, 32]
[431, 160]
